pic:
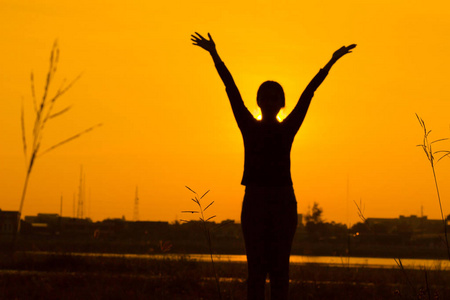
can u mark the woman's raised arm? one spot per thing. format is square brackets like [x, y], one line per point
[298, 114]
[241, 113]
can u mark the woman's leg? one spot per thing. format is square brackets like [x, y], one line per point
[280, 249]
[253, 228]
[283, 226]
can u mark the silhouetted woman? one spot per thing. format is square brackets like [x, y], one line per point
[269, 209]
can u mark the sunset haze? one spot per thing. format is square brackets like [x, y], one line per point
[167, 122]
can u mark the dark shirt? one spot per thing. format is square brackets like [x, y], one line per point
[267, 145]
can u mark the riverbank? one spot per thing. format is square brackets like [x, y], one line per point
[63, 276]
[54, 243]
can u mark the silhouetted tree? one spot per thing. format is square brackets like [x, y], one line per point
[314, 225]
[359, 228]
[315, 215]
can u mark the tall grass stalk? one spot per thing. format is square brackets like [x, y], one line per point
[397, 260]
[43, 113]
[427, 147]
[206, 230]
[399, 263]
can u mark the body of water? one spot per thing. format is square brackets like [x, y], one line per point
[337, 261]
[341, 261]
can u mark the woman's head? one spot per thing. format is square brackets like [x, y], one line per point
[270, 98]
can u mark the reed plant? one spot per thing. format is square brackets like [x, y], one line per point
[430, 153]
[398, 260]
[44, 112]
[427, 147]
[206, 229]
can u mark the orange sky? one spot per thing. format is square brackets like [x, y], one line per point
[168, 123]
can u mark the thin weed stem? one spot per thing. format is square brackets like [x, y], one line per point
[427, 285]
[206, 232]
[399, 263]
[427, 148]
[43, 113]
[442, 212]
[397, 260]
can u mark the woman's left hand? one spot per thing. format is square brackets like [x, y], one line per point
[342, 51]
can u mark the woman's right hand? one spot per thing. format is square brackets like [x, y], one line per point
[199, 40]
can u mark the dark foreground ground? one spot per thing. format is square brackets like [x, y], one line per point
[59, 276]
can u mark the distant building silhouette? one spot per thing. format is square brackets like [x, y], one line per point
[9, 220]
[403, 224]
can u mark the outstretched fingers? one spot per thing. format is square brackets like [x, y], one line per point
[350, 47]
[201, 37]
[194, 41]
[195, 38]
[199, 40]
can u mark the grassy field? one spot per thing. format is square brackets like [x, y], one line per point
[59, 276]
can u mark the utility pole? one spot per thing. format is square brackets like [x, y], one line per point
[60, 215]
[88, 213]
[74, 206]
[60, 207]
[80, 210]
[136, 206]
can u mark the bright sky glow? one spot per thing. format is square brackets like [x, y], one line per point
[168, 123]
